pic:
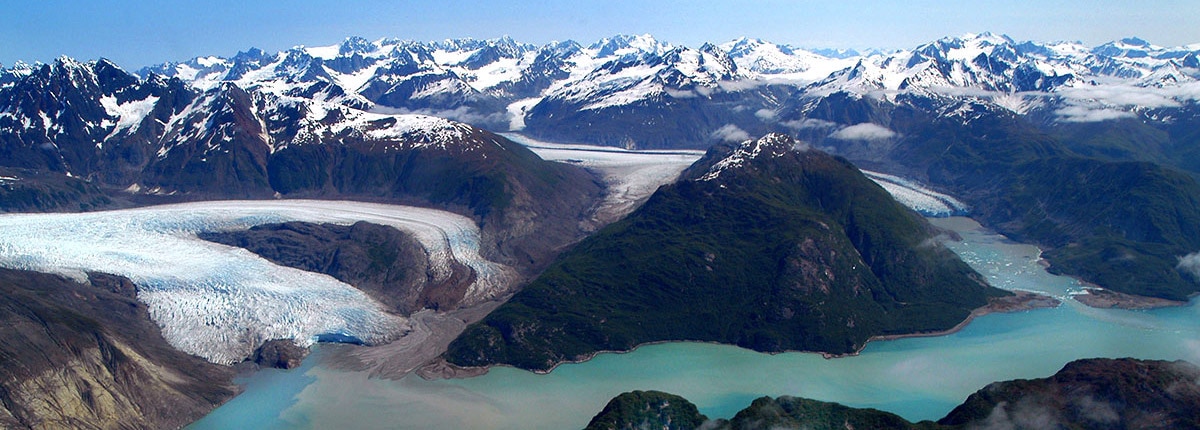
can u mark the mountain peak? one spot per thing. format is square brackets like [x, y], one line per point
[643, 43]
[356, 45]
[773, 145]
[1136, 41]
[989, 37]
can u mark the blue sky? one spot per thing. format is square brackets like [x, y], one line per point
[136, 33]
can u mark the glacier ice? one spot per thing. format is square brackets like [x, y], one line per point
[630, 176]
[923, 200]
[220, 302]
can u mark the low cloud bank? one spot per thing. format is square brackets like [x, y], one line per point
[864, 131]
[730, 133]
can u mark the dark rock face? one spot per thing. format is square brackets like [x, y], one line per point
[88, 356]
[1119, 220]
[786, 412]
[90, 133]
[527, 208]
[795, 250]
[27, 190]
[1094, 394]
[647, 410]
[280, 354]
[386, 263]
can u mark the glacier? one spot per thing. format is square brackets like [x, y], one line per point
[923, 200]
[220, 302]
[630, 176]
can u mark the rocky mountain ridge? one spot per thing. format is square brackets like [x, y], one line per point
[767, 244]
[1085, 394]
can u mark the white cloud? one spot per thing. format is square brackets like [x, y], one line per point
[1086, 114]
[741, 85]
[461, 114]
[863, 131]
[807, 123]
[1123, 95]
[680, 94]
[765, 114]
[730, 133]
[1190, 264]
[1187, 91]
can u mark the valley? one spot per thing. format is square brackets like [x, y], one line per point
[917, 378]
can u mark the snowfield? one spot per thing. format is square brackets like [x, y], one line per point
[220, 302]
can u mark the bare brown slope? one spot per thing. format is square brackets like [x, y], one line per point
[76, 355]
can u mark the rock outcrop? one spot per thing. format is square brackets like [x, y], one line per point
[87, 355]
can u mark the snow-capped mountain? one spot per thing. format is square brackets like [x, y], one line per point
[782, 62]
[636, 91]
[1063, 81]
[685, 96]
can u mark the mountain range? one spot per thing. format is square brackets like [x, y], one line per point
[568, 90]
[1015, 129]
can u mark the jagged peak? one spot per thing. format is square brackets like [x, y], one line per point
[504, 43]
[560, 49]
[772, 145]
[1136, 41]
[1129, 47]
[356, 45]
[988, 37]
[641, 43]
[22, 69]
[251, 55]
[64, 60]
[841, 53]
[743, 44]
[962, 48]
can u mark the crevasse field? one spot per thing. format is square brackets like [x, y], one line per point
[220, 302]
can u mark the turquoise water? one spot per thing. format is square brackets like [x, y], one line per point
[918, 378]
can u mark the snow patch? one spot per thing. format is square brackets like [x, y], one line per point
[129, 114]
[516, 112]
[1190, 264]
[1086, 114]
[771, 145]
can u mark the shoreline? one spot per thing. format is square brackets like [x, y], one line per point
[1019, 302]
[1098, 297]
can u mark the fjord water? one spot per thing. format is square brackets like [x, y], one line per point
[918, 378]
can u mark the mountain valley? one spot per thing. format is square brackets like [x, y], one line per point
[395, 189]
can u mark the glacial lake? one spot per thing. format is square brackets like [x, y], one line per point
[918, 378]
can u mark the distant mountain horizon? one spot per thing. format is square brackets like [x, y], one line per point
[823, 50]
